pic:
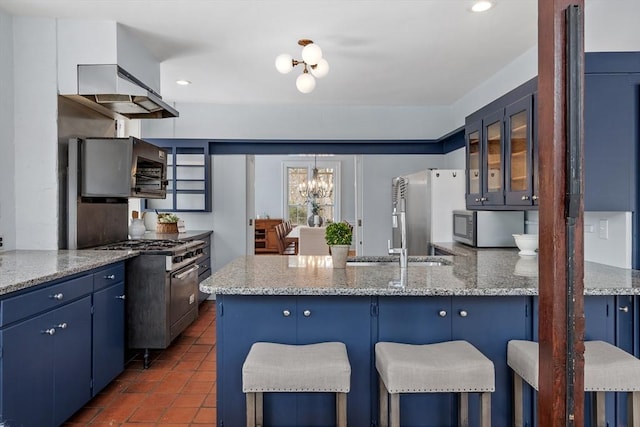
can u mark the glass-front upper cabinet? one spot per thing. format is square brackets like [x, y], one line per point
[493, 161]
[474, 157]
[519, 152]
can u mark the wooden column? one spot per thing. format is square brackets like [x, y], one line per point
[561, 252]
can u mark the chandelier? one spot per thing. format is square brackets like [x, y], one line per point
[314, 65]
[316, 188]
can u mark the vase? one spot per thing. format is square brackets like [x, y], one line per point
[339, 254]
[315, 221]
[136, 228]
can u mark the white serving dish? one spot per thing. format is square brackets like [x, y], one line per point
[527, 243]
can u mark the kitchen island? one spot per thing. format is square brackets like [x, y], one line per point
[484, 296]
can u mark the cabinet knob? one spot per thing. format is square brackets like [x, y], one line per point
[50, 331]
[534, 197]
[463, 313]
[442, 313]
[120, 297]
[306, 313]
[477, 199]
[286, 313]
[62, 325]
[483, 199]
[525, 197]
[624, 309]
[110, 277]
[58, 296]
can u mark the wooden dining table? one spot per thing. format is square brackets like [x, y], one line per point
[310, 240]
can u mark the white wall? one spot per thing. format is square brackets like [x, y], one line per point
[7, 147]
[301, 122]
[614, 250]
[36, 133]
[377, 172]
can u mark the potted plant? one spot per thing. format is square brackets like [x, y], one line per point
[167, 223]
[338, 236]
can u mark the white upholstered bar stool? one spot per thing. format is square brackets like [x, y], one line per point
[270, 367]
[606, 368]
[447, 367]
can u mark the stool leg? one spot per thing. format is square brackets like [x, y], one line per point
[395, 409]
[633, 409]
[259, 409]
[599, 405]
[485, 409]
[384, 403]
[463, 410]
[341, 409]
[518, 417]
[251, 409]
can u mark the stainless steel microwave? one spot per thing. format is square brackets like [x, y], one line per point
[487, 228]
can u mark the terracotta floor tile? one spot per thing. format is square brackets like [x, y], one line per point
[206, 339]
[210, 400]
[141, 387]
[147, 414]
[114, 414]
[130, 399]
[179, 376]
[195, 357]
[102, 400]
[134, 424]
[204, 376]
[205, 416]
[178, 415]
[202, 387]
[168, 386]
[189, 400]
[159, 399]
[187, 365]
[200, 348]
[84, 415]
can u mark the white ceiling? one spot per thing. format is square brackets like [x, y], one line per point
[381, 52]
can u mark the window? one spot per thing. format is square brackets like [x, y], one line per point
[297, 208]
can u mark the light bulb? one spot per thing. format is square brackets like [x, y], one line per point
[305, 83]
[321, 69]
[284, 63]
[311, 54]
[481, 6]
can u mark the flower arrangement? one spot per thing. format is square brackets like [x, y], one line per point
[167, 218]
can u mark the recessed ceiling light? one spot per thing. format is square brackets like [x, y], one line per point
[183, 82]
[481, 6]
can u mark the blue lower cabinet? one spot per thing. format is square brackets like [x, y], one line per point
[46, 366]
[108, 335]
[243, 320]
[486, 322]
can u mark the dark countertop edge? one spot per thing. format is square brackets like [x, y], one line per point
[19, 286]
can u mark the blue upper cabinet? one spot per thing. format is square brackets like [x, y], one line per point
[519, 154]
[188, 175]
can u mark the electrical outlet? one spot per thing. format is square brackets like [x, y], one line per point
[1, 242]
[603, 229]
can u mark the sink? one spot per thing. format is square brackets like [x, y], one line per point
[395, 263]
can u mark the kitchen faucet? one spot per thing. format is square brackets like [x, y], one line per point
[398, 220]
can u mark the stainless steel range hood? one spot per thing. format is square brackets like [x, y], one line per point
[111, 87]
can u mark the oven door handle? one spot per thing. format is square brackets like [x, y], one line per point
[184, 274]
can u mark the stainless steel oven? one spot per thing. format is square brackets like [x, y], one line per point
[161, 291]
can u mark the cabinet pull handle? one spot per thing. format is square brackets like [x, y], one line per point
[483, 199]
[62, 325]
[525, 197]
[624, 309]
[534, 197]
[477, 199]
[286, 313]
[110, 277]
[120, 297]
[306, 313]
[463, 313]
[50, 331]
[59, 296]
[442, 313]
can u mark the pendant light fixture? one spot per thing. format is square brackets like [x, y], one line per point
[314, 65]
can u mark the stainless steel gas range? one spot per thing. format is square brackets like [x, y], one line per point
[161, 290]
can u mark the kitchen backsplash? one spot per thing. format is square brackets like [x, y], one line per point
[607, 237]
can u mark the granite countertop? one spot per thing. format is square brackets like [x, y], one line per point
[22, 269]
[470, 271]
[187, 235]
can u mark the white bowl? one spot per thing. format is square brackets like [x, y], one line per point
[527, 243]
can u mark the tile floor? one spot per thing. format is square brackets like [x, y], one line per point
[178, 389]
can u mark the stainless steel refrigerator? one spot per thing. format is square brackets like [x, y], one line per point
[427, 199]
